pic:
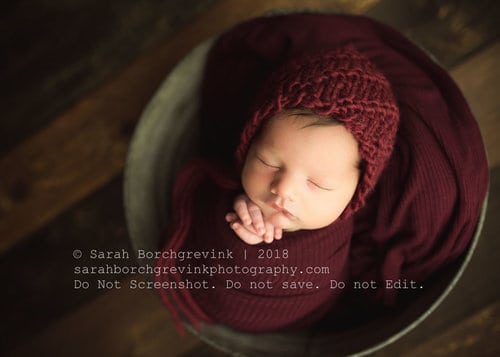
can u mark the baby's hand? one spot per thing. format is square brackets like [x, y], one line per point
[249, 224]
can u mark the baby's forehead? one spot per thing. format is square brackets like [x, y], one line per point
[319, 140]
[305, 117]
[294, 119]
[299, 122]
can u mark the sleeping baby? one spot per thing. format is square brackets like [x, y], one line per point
[349, 168]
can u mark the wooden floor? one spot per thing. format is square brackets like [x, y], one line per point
[75, 76]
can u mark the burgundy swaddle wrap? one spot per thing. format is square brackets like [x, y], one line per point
[411, 219]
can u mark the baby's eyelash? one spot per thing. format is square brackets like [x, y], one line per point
[267, 164]
[320, 187]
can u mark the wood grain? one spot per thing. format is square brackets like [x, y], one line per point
[478, 78]
[475, 336]
[51, 57]
[122, 322]
[39, 273]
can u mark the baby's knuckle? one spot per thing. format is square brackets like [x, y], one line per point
[254, 209]
[239, 205]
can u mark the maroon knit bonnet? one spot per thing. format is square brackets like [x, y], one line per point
[342, 84]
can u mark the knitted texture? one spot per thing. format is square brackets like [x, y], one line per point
[346, 86]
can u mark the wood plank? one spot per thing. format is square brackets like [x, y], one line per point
[455, 29]
[39, 272]
[121, 322]
[84, 148]
[204, 350]
[478, 78]
[475, 336]
[51, 56]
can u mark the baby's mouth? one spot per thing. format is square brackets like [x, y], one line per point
[284, 211]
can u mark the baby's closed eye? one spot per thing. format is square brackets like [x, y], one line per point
[320, 186]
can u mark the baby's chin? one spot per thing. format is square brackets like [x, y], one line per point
[298, 225]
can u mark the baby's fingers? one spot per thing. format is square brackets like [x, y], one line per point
[241, 208]
[257, 219]
[231, 217]
[269, 233]
[245, 235]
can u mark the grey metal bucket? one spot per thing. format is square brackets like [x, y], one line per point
[162, 141]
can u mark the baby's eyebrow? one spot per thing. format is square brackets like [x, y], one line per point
[322, 176]
[261, 153]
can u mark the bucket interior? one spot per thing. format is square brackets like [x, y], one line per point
[163, 140]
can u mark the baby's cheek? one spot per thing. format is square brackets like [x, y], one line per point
[247, 179]
[257, 179]
[326, 211]
[254, 188]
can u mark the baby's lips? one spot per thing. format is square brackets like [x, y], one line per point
[283, 210]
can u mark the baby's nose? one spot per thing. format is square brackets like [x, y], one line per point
[283, 187]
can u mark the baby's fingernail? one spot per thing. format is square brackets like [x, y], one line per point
[234, 225]
[261, 230]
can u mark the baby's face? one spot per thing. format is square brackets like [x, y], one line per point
[302, 176]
